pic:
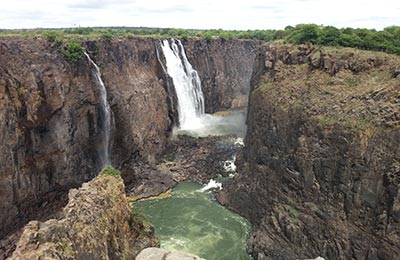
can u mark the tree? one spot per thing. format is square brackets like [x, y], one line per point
[330, 36]
[305, 33]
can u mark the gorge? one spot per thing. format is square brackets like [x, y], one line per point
[319, 171]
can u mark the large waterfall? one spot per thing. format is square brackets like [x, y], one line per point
[187, 84]
[106, 112]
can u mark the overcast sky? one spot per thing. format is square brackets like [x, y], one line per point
[199, 14]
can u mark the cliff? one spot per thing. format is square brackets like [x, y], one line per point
[51, 117]
[320, 172]
[97, 223]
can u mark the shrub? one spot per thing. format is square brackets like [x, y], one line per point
[52, 35]
[73, 51]
[107, 36]
[109, 170]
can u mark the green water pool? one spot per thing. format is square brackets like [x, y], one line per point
[192, 221]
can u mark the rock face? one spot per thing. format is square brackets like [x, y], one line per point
[51, 120]
[320, 171]
[48, 124]
[154, 253]
[225, 68]
[138, 96]
[96, 224]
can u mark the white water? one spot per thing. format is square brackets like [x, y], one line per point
[186, 82]
[212, 185]
[239, 141]
[229, 165]
[106, 122]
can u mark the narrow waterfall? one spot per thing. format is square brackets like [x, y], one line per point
[187, 84]
[106, 111]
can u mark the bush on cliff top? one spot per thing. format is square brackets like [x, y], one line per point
[73, 51]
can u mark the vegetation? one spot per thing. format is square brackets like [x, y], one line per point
[73, 51]
[109, 170]
[386, 40]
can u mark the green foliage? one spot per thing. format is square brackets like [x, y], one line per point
[107, 36]
[73, 51]
[329, 36]
[305, 33]
[387, 40]
[109, 170]
[52, 36]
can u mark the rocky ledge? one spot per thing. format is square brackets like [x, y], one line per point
[320, 171]
[185, 158]
[97, 223]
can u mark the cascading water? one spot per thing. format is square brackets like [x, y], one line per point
[187, 84]
[190, 99]
[106, 111]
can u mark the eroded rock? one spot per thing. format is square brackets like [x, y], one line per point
[97, 223]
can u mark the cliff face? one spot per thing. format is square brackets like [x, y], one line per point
[96, 224]
[225, 68]
[320, 172]
[51, 117]
[138, 97]
[48, 124]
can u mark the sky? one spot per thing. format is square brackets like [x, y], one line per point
[199, 14]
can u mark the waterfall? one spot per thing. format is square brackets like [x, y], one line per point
[186, 82]
[106, 111]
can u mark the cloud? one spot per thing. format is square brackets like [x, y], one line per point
[97, 4]
[174, 9]
[241, 15]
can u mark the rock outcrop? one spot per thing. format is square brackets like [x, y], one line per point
[154, 253]
[97, 223]
[320, 171]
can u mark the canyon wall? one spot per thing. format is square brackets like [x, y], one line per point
[320, 171]
[48, 124]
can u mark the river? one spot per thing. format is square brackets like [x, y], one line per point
[192, 221]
